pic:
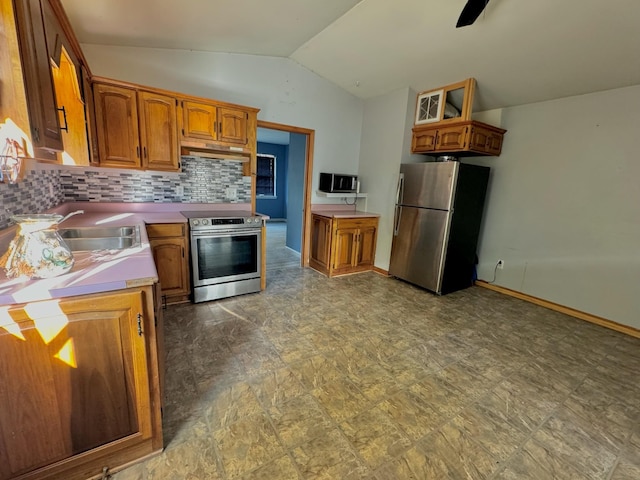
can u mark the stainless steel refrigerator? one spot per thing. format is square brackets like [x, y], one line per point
[437, 220]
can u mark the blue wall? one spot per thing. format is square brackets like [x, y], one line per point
[295, 192]
[275, 207]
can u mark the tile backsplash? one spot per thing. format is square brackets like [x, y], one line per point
[38, 191]
[202, 181]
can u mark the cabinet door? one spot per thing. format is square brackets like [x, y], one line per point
[345, 249]
[321, 241]
[451, 139]
[485, 140]
[117, 126]
[90, 117]
[367, 245]
[199, 121]
[424, 140]
[232, 126]
[494, 143]
[169, 255]
[38, 81]
[158, 131]
[73, 377]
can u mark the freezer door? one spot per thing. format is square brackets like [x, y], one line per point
[428, 185]
[418, 249]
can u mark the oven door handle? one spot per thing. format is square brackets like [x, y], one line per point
[220, 233]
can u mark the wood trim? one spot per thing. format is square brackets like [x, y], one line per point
[153, 365]
[263, 258]
[284, 128]
[381, 271]
[457, 123]
[308, 175]
[171, 93]
[603, 322]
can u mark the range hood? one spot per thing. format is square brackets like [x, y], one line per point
[205, 149]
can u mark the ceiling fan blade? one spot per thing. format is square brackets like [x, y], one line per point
[471, 12]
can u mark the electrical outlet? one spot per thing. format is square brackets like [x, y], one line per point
[500, 264]
[232, 193]
[179, 190]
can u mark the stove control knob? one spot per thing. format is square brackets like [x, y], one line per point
[205, 221]
[195, 222]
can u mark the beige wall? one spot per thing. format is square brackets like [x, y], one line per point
[563, 208]
[385, 143]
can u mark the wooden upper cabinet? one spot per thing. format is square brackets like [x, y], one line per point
[433, 138]
[117, 126]
[158, 131]
[215, 123]
[461, 138]
[74, 377]
[486, 139]
[443, 123]
[136, 129]
[446, 104]
[232, 125]
[451, 138]
[38, 81]
[424, 140]
[199, 121]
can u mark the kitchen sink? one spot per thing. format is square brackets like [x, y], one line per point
[101, 238]
[97, 232]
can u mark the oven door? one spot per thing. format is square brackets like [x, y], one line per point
[225, 256]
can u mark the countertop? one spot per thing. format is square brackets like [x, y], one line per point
[107, 270]
[343, 213]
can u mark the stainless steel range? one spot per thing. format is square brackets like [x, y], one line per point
[226, 253]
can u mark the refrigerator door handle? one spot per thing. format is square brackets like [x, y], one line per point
[396, 220]
[400, 188]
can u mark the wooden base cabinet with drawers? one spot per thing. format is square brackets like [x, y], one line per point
[79, 385]
[170, 249]
[340, 246]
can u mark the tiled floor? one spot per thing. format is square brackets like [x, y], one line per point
[368, 377]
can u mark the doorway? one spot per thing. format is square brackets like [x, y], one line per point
[283, 189]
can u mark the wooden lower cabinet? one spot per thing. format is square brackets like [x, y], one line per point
[79, 388]
[342, 245]
[170, 248]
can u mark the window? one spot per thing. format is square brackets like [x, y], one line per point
[266, 177]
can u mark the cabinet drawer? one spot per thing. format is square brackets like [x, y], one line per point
[161, 230]
[356, 222]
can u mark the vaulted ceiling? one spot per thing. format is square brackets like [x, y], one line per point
[519, 51]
